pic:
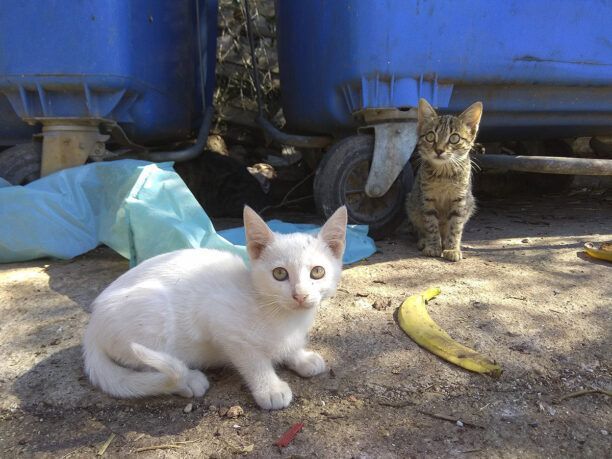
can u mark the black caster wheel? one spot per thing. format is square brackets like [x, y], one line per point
[341, 178]
[20, 165]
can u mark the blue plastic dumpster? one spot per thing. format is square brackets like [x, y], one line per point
[542, 69]
[535, 64]
[141, 71]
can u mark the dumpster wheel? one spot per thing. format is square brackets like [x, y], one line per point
[341, 178]
[20, 164]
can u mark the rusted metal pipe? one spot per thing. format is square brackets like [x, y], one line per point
[546, 164]
[304, 141]
[190, 152]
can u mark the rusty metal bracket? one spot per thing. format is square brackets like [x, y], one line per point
[68, 145]
[393, 146]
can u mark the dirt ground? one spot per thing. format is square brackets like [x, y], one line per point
[526, 295]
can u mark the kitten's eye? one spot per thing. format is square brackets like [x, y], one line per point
[280, 274]
[454, 138]
[317, 272]
[430, 136]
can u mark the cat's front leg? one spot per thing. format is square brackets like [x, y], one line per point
[306, 363]
[457, 218]
[269, 391]
[432, 246]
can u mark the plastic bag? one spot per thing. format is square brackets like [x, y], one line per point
[137, 208]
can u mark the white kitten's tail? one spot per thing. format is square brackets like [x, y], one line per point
[127, 383]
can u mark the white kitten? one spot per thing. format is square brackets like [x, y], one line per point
[153, 327]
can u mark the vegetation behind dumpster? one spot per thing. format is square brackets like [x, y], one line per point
[235, 100]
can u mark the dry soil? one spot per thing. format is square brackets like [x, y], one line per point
[526, 295]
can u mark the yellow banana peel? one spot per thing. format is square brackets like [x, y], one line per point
[418, 325]
[602, 251]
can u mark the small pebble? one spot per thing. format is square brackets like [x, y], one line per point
[234, 411]
[212, 408]
[525, 241]
[603, 432]
[188, 408]
[460, 424]
[381, 305]
[363, 303]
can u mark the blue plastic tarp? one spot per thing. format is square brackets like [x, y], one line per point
[358, 244]
[137, 208]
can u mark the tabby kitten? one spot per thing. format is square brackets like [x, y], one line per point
[441, 200]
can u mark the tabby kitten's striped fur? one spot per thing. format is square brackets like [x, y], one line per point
[441, 200]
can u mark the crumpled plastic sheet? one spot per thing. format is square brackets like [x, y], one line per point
[358, 244]
[139, 209]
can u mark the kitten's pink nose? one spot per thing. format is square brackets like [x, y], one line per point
[439, 152]
[299, 298]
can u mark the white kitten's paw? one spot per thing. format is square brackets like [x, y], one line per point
[310, 364]
[195, 385]
[276, 397]
[452, 255]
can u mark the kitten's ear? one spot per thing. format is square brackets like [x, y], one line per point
[471, 117]
[258, 235]
[426, 111]
[333, 232]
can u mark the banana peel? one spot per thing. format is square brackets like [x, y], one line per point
[415, 321]
[602, 251]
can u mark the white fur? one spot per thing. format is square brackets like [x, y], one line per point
[154, 327]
